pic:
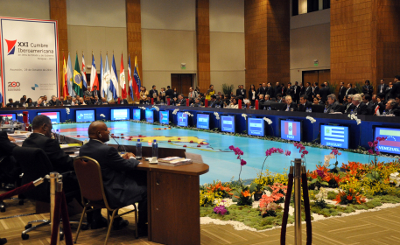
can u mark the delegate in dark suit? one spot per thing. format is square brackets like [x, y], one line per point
[118, 173]
[395, 90]
[381, 88]
[8, 169]
[303, 107]
[308, 93]
[342, 92]
[324, 92]
[241, 92]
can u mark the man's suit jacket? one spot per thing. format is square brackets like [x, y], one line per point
[284, 91]
[120, 184]
[270, 91]
[6, 146]
[334, 107]
[305, 106]
[367, 89]
[241, 92]
[60, 161]
[361, 109]
[324, 92]
[277, 90]
[395, 90]
[342, 92]
[181, 102]
[308, 93]
[350, 91]
[316, 91]
[152, 92]
[95, 93]
[52, 103]
[169, 93]
[263, 90]
[124, 102]
[292, 105]
[381, 87]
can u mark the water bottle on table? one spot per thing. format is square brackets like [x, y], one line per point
[138, 149]
[154, 152]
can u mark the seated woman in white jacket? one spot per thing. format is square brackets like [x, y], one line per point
[233, 104]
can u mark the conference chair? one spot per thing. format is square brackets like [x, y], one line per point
[318, 108]
[35, 164]
[90, 180]
[8, 174]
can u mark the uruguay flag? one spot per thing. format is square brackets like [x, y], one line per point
[130, 88]
[114, 80]
[137, 79]
[70, 77]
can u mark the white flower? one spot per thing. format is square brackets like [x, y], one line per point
[358, 121]
[20, 115]
[141, 107]
[268, 120]
[67, 110]
[156, 107]
[175, 111]
[188, 113]
[216, 115]
[102, 115]
[312, 120]
[244, 116]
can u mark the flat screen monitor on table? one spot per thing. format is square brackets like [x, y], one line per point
[120, 114]
[85, 115]
[164, 117]
[255, 127]
[392, 142]
[335, 136]
[182, 119]
[203, 121]
[149, 114]
[228, 124]
[291, 130]
[10, 116]
[136, 115]
[54, 116]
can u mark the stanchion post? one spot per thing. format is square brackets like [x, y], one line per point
[297, 201]
[53, 189]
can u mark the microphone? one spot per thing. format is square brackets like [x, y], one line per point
[119, 144]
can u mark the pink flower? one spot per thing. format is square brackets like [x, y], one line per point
[287, 153]
[280, 150]
[370, 151]
[302, 155]
[268, 153]
[231, 147]
[377, 152]
[305, 152]
[242, 162]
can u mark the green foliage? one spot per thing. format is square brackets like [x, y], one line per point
[243, 196]
[331, 195]
[227, 89]
[358, 87]
[332, 88]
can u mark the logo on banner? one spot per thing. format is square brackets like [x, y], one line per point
[36, 86]
[11, 46]
[14, 86]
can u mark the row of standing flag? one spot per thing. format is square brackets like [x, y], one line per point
[73, 81]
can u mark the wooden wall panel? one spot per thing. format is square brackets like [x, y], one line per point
[58, 11]
[134, 33]
[203, 44]
[267, 41]
[365, 40]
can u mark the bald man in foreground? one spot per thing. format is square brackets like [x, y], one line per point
[123, 184]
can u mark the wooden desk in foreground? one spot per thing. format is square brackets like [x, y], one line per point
[174, 202]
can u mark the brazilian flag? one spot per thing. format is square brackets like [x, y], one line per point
[77, 86]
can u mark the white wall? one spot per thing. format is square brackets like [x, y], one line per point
[227, 47]
[168, 39]
[309, 40]
[38, 9]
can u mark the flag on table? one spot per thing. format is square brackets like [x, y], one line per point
[114, 80]
[84, 81]
[70, 80]
[65, 80]
[105, 80]
[137, 82]
[130, 88]
[77, 78]
[94, 81]
[122, 79]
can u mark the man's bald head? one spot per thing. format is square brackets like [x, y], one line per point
[98, 130]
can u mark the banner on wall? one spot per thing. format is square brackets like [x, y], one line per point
[29, 58]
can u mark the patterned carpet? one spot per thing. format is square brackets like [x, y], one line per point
[381, 227]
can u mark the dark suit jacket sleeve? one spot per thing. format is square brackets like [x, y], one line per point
[61, 161]
[115, 161]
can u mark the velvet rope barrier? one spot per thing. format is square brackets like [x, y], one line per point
[17, 191]
[307, 206]
[61, 210]
[287, 204]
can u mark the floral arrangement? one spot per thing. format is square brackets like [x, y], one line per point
[312, 120]
[320, 198]
[188, 113]
[220, 189]
[302, 149]
[267, 120]
[244, 116]
[349, 196]
[102, 115]
[156, 107]
[67, 110]
[221, 209]
[175, 111]
[354, 117]
[269, 204]
[207, 198]
[216, 115]
[335, 153]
